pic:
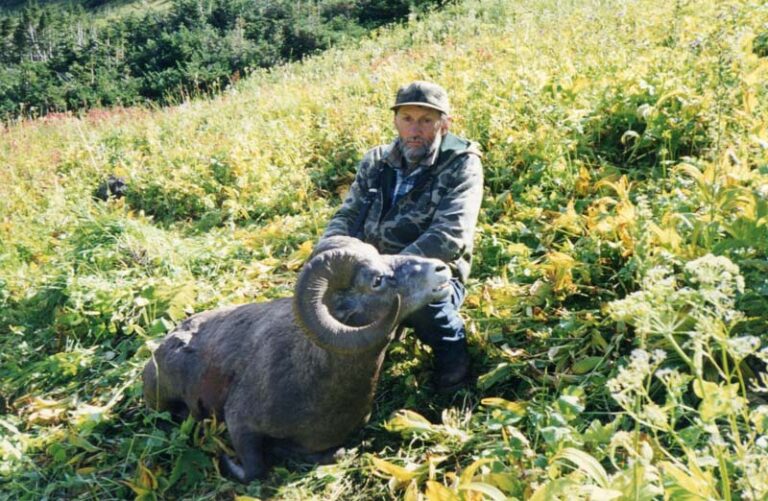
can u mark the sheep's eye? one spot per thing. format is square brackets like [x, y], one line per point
[377, 281]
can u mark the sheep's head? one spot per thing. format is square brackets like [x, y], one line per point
[349, 297]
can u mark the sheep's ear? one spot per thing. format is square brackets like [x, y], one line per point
[329, 271]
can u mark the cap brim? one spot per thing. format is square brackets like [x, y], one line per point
[419, 103]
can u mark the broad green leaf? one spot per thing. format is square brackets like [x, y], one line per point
[717, 400]
[554, 490]
[599, 433]
[502, 372]
[553, 435]
[82, 443]
[585, 463]
[586, 364]
[189, 468]
[571, 402]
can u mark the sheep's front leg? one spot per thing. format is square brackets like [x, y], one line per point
[250, 452]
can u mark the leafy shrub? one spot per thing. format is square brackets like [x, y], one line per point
[57, 59]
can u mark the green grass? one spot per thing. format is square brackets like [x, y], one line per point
[623, 140]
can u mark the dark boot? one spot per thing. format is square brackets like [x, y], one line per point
[452, 365]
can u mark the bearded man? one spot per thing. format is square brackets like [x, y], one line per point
[421, 195]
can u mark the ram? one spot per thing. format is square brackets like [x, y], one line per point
[294, 374]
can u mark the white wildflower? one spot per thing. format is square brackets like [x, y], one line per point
[716, 272]
[655, 415]
[741, 347]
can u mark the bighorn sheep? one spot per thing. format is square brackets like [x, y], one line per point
[300, 373]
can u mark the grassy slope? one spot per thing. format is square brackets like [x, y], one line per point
[226, 191]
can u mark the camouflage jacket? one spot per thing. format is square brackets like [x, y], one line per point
[435, 219]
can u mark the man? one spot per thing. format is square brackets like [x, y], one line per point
[421, 195]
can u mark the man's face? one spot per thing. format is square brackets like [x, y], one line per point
[420, 129]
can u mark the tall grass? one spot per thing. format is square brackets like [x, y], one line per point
[623, 141]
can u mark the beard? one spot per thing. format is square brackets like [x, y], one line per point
[416, 153]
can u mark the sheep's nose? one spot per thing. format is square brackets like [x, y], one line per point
[440, 267]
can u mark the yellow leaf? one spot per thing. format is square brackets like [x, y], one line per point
[469, 472]
[408, 422]
[569, 221]
[393, 470]
[699, 488]
[87, 470]
[583, 182]
[516, 407]
[595, 492]
[43, 411]
[518, 249]
[147, 479]
[667, 237]
[488, 491]
[246, 498]
[438, 492]
[559, 268]
[507, 482]
[412, 492]
[299, 256]
[137, 489]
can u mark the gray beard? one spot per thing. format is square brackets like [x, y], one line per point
[415, 154]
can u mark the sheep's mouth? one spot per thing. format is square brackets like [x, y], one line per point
[441, 287]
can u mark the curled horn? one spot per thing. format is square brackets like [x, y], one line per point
[329, 271]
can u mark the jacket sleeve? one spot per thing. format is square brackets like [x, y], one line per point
[341, 223]
[451, 233]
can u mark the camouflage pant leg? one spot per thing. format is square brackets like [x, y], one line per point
[439, 324]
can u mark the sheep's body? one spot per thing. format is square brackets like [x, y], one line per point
[214, 362]
[299, 374]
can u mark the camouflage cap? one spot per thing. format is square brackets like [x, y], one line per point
[420, 93]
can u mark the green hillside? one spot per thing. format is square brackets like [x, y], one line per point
[98, 7]
[618, 303]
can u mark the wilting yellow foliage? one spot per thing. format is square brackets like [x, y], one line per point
[613, 217]
[43, 411]
[569, 221]
[558, 268]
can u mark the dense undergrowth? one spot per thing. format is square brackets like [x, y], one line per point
[75, 56]
[618, 302]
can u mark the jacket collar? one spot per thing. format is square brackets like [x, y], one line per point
[450, 147]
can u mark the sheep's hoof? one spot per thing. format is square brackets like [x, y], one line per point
[328, 456]
[229, 468]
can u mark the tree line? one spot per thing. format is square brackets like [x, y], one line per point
[60, 58]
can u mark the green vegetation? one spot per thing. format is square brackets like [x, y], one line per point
[59, 58]
[619, 299]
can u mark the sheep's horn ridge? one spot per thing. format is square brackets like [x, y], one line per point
[332, 270]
